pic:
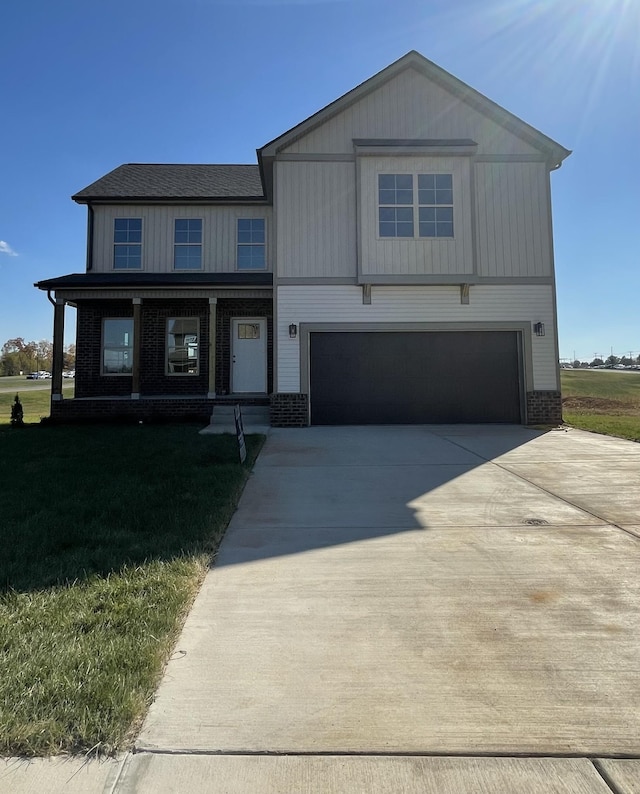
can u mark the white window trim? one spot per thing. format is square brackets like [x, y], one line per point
[166, 350]
[264, 244]
[130, 347]
[200, 244]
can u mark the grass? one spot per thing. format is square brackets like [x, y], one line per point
[602, 401]
[107, 534]
[35, 400]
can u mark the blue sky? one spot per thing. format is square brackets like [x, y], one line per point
[87, 86]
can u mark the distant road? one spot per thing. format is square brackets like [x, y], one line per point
[19, 383]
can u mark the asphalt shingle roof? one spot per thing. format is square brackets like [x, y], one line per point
[123, 280]
[165, 181]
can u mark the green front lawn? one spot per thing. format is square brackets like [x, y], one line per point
[107, 533]
[602, 401]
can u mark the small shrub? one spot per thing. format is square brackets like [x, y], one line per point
[17, 414]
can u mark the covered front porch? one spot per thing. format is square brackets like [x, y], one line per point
[163, 351]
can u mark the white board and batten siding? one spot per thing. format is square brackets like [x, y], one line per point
[343, 304]
[409, 105]
[512, 212]
[219, 232]
[417, 256]
[316, 219]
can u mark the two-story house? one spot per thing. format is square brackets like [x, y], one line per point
[388, 260]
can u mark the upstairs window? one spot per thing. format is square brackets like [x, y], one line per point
[395, 199]
[127, 243]
[187, 248]
[251, 244]
[407, 202]
[117, 345]
[182, 345]
[435, 205]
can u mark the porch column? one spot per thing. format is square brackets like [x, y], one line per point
[58, 350]
[137, 345]
[212, 347]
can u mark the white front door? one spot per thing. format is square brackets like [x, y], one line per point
[249, 355]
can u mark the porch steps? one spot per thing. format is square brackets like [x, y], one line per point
[255, 419]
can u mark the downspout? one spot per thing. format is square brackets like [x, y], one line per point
[50, 299]
[89, 236]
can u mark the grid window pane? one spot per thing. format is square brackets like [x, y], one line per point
[436, 221]
[396, 222]
[117, 346]
[395, 188]
[188, 230]
[251, 249]
[435, 188]
[426, 181]
[188, 257]
[127, 239]
[187, 251]
[182, 346]
[127, 230]
[127, 257]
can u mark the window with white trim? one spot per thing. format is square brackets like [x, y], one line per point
[187, 244]
[251, 253]
[117, 345]
[407, 202]
[183, 335]
[127, 243]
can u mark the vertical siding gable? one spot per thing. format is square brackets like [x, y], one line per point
[409, 105]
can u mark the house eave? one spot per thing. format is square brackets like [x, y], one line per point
[164, 281]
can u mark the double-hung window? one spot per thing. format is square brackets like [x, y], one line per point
[435, 205]
[395, 200]
[182, 345]
[410, 202]
[127, 243]
[187, 248]
[117, 345]
[251, 244]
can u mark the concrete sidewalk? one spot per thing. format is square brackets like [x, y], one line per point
[443, 609]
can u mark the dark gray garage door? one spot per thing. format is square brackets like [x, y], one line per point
[414, 377]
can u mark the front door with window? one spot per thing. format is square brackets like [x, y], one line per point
[249, 355]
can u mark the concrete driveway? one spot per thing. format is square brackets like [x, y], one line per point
[386, 596]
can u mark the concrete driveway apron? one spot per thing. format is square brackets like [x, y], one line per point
[448, 590]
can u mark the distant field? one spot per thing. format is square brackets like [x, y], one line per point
[602, 401]
[35, 402]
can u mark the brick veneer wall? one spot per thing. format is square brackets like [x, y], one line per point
[225, 310]
[289, 410]
[148, 410]
[153, 377]
[154, 314]
[544, 407]
[89, 381]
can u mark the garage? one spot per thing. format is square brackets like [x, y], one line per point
[414, 377]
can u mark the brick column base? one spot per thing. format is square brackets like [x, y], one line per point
[544, 408]
[289, 410]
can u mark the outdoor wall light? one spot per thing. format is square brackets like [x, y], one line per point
[538, 329]
[293, 331]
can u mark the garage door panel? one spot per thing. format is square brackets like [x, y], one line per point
[414, 377]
